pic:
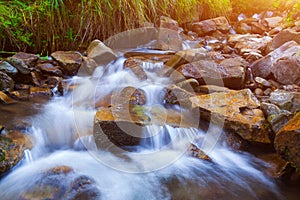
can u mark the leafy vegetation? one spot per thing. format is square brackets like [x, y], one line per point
[42, 26]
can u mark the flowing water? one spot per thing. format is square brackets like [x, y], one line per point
[157, 169]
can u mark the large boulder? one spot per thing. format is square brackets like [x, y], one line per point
[287, 141]
[237, 111]
[264, 67]
[229, 73]
[100, 53]
[70, 61]
[211, 25]
[6, 83]
[12, 149]
[286, 69]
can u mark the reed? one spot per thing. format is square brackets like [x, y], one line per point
[43, 26]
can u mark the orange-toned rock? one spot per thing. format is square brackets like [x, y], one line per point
[195, 152]
[69, 61]
[40, 91]
[6, 99]
[287, 141]
[236, 111]
[12, 147]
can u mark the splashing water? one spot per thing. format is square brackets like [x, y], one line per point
[63, 132]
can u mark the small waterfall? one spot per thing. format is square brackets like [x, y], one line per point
[160, 169]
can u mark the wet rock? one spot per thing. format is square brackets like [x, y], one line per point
[196, 152]
[6, 99]
[287, 141]
[283, 37]
[121, 126]
[6, 83]
[236, 111]
[69, 61]
[178, 95]
[286, 100]
[100, 53]
[20, 95]
[277, 167]
[277, 118]
[234, 141]
[18, 64]
[29, 59]
[209, 26]
[12, 147]
[168, 37]
[50, 69]
[286, 69]
[37, 78]
[7, 68]
[229, 73]
[62, 182]
[129, 96]
[39, 91]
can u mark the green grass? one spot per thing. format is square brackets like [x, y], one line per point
[43, 26]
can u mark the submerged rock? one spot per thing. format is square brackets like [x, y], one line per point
[196, 152]
[12, 147]
[62, 182]
[70, 61]
[287, 141]
[236, 111]
[6, 83]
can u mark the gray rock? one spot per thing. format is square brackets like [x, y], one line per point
[8, 69]
[283, 37]
[286, 100]
[19, 64]
[69, 61]
[6, 83]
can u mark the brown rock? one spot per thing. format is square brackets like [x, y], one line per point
[195, 152]
[6, 99]
[12, 147]
[36, 91]
[287, 141]
[20, 94]
[128, 96]
[273, 22]
[62, 182]
[236, 111]
[69, 61]
[229, 73]
[207, 89]
[208, 26]
[178, 95]
[49, 69]
[29, 59]
[286, 69]
[283, 37]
